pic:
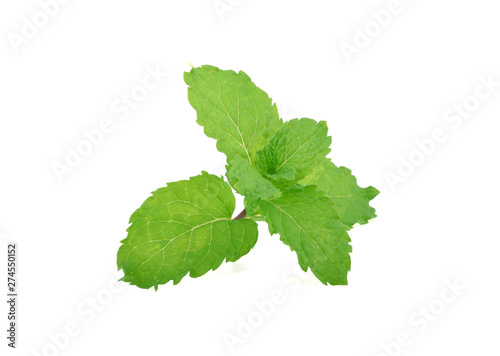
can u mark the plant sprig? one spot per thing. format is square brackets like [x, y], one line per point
[279, 167]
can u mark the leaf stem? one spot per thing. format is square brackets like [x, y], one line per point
[241, 215]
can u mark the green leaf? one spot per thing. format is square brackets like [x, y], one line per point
[183, 228]
[298, 146]
[247, 181]
[338, 184]
[232, 110]
[308, 223]
[280, 169]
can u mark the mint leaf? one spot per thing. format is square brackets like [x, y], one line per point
[247, 181]
[307, 222]
[232, 110]
[298, 146]
[279, 168]
[183, 228]
[338, 184]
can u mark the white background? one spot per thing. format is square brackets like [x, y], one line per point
[438, 224]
